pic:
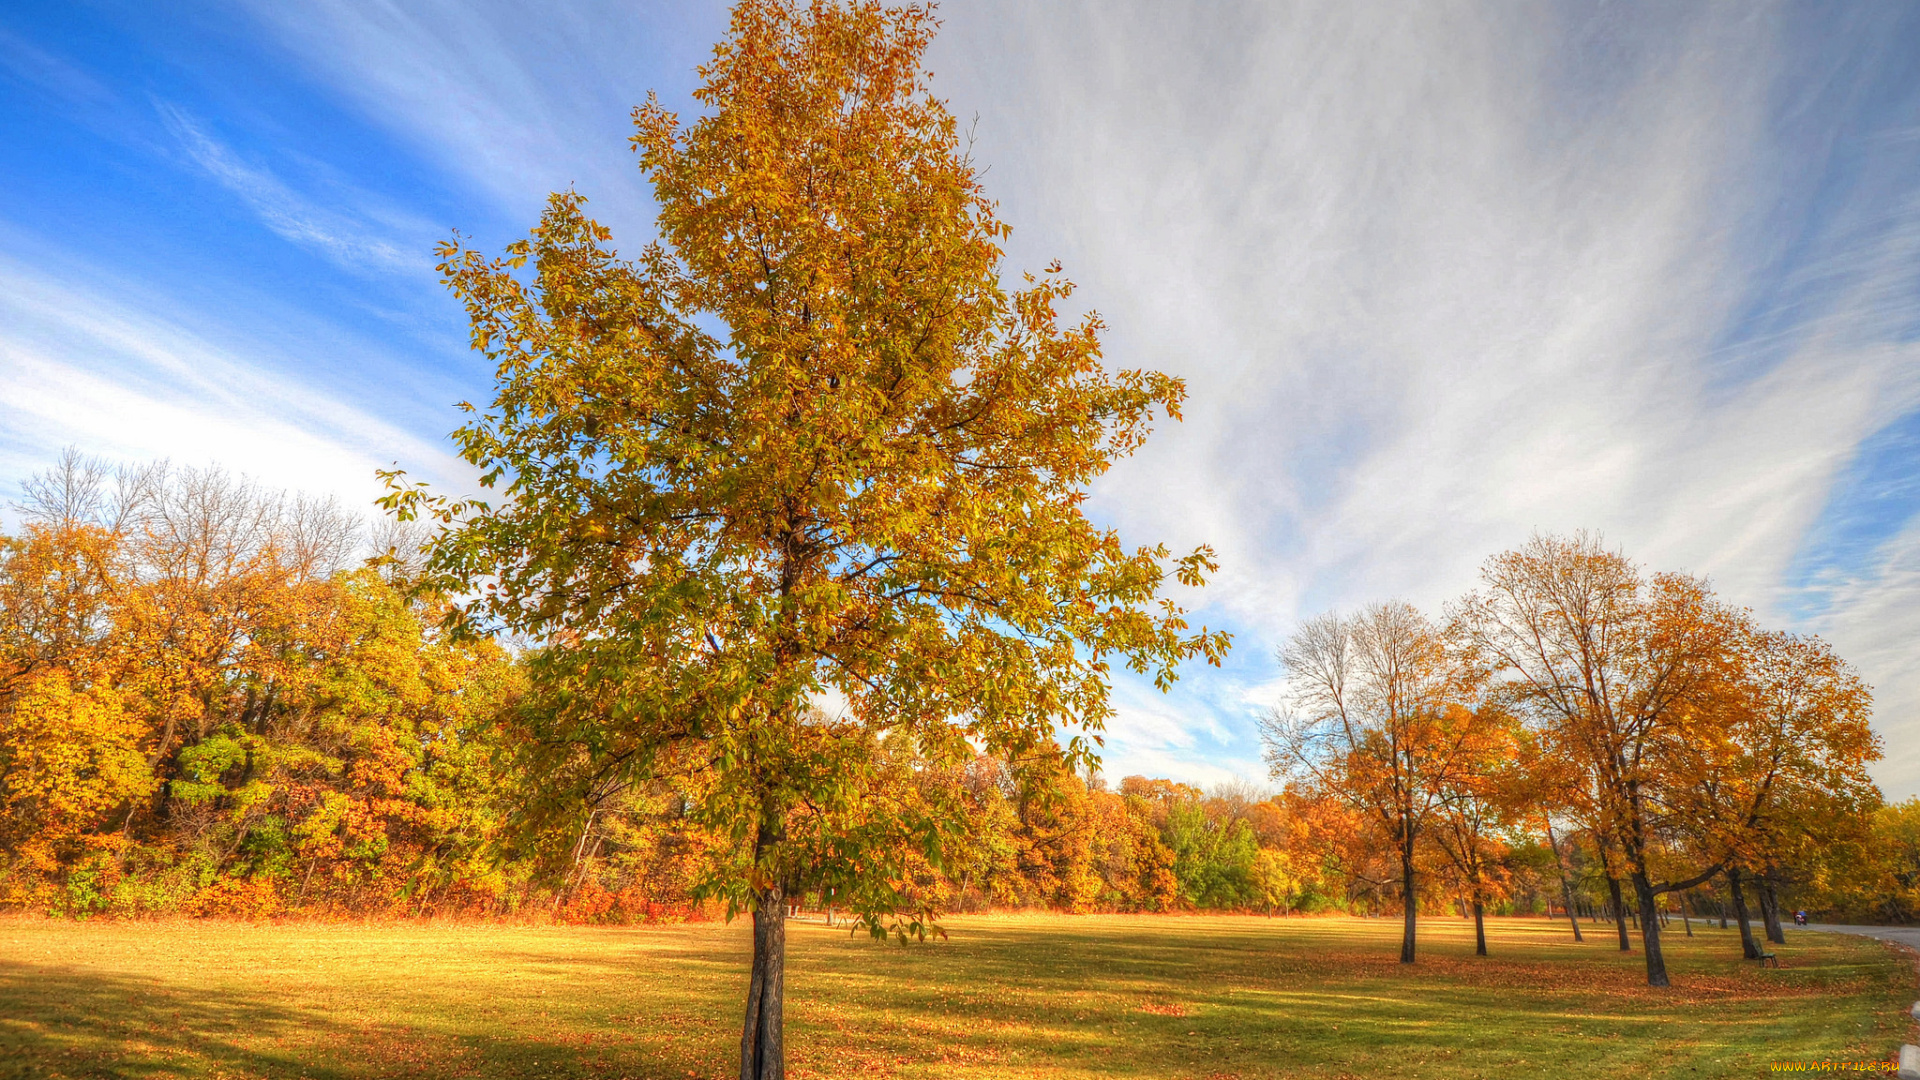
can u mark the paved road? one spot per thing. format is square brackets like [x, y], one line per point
[1903, 935]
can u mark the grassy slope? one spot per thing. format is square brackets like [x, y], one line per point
[1006, 996]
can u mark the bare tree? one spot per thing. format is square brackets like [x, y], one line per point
[1372, 718]
[398, 549]
[85, 491]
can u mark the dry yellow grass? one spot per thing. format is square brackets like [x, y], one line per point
[1028, 996]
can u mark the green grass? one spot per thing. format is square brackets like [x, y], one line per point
[1041, 996]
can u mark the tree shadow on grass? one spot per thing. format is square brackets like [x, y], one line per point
[61, 1024]
[1146, 1000]
[56, 1022]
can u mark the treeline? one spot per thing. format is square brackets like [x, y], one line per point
[212, 701]
[208, 704]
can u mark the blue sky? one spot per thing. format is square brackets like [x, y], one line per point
[1437, 275]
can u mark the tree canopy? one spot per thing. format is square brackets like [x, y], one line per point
[795, 498]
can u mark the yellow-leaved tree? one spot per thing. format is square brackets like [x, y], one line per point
[792, 504]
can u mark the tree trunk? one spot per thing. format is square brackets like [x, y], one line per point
[1410, 905]
[1650, 930]
[1566, 889]
[1751, 948]
[1685, 920]
[1479, 929]
[1770, 911]
[1619, 913]
[762, 1053]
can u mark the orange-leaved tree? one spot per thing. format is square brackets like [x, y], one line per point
[1621, 673]
[803, 479]
[1785, 771]
[1481, 798]
[202, 709]
[71, 749]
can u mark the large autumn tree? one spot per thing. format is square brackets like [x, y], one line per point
[793, 502]
[1623, 675]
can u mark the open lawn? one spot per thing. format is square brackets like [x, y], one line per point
[1038, 996]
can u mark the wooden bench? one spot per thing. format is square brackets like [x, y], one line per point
[1767, 959]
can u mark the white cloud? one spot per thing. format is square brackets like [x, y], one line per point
[1150, 761]
[1180, 734]
[1874, 622]
[340, 236]
[1437, 277]
[518, 101]
[118, 380]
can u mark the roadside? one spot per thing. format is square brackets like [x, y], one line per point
[1899, 935]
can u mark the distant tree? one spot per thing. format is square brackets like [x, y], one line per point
[1213, 854]
[1133, 858]
[1872, 876]
[71, 737]
[803, 478]
[1373, 718]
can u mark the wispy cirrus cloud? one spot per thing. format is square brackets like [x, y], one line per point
[1437, 276]
[351, 240]
[24, 63]
[1441, 277]
[517, 101]
[96, 368]
[1873, 619]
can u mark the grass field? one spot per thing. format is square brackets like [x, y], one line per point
[1041, 996]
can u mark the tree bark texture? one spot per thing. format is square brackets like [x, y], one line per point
[1650, 930]
[1566, 888]
[1479, 929]
[1751, 948]
[762, 1052]
[1410, 906]
[1619, 913]
[1770, 911]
